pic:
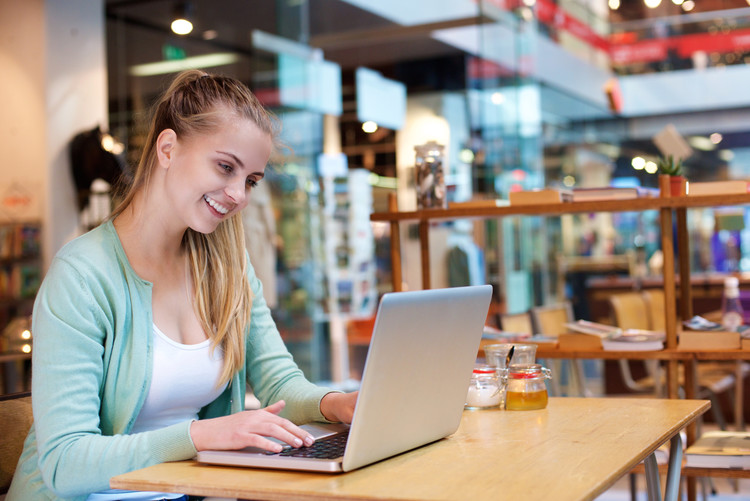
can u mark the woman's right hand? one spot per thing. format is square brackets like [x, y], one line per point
[249, 429]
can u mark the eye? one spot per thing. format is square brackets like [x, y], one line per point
[226, 168]
[251, 183]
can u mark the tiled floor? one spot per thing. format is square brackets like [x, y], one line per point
[723, 488]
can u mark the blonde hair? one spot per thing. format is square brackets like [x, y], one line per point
[196, 102]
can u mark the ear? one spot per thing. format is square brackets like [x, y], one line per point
[166, 143]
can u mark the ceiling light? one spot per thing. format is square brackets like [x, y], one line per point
[652, 4]
[701, 143]
[689, 5]
[181, 23]
[614, 4]
[716, 138]
[369, 126]
[726, 155]
[205, 61]
[497, 98]
[638, 163]
[678, 2]
[651, 167]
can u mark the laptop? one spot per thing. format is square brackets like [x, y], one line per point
[413, 389]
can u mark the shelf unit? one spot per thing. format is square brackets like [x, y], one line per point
[672, 210]
[668, 207]
[20, 276]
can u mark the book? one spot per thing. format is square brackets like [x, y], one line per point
[730, 187]
[479, 203]
[720, 449]
[699, 333]
[611, 193]
[540, 196]
[635, 340]
[586, 327]
[709, 340]
[610, 338]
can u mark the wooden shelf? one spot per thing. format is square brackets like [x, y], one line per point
[633, 205]
[715, 472]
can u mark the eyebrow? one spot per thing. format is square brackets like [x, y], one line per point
[239, 162]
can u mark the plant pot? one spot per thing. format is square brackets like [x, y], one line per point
[677, 185]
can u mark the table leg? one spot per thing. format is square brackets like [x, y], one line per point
[653, 487]
[672, 491]
[674, 471]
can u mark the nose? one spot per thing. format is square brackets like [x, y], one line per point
[236, 191]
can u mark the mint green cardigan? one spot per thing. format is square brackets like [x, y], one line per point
[92, 365]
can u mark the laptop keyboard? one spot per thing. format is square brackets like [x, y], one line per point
[330, 447]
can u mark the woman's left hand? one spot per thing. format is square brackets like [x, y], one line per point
[339, 407]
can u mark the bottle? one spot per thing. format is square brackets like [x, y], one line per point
[731, 308]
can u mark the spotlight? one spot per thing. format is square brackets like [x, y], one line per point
[182, 24]
[369, 126]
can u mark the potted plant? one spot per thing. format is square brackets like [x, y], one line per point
[671, 167]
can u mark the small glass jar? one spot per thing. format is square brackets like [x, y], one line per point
[429, 176]
[486, 390]
[526, 388]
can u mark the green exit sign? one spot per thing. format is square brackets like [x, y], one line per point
[172, 53]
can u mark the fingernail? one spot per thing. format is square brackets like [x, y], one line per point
[309, 440]
[297, 442]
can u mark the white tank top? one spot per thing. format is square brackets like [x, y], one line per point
[183, 380]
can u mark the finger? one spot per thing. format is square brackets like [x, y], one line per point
[272, 425]
[297, 435]
[276, 407]
[265, 444]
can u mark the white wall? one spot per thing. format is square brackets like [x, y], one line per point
[53, 85]
[76, 99]
[22, 119]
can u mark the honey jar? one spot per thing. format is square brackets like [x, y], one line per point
[526, 388]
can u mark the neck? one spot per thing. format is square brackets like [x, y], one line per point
[148, 241]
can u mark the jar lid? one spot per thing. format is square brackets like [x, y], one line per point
[485, 369]
[524, 371]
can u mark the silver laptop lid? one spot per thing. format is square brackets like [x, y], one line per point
[424, 346]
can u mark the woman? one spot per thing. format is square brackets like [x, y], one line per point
[147, 328]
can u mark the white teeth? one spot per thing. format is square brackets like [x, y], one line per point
[216, 205]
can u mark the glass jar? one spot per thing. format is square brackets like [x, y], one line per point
[429, 176]
[526, 389]
[486, 390]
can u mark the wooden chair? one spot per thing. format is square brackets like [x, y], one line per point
[645, 310]
[16, 418]
[550, 320]
[631, 311]
[517, 322]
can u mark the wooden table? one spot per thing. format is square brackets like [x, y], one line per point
[575, 449]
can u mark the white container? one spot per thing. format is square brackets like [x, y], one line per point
[485, 390]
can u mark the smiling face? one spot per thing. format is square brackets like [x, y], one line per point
[208, 177]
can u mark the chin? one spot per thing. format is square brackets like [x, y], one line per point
[204, 228]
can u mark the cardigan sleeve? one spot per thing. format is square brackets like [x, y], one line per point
[271, 370]
[73, 343]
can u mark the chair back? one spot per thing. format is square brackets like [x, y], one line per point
[629, 311]
[517, 322]
[655, 307]
[16, 418]
[550, 320]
